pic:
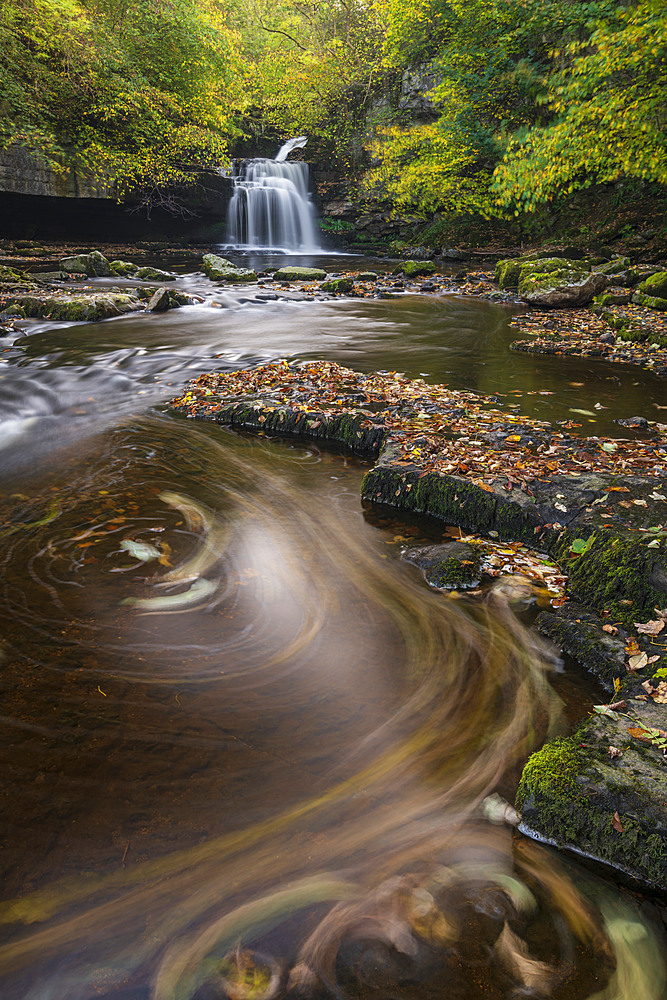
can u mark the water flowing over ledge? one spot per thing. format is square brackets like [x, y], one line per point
[270, 206]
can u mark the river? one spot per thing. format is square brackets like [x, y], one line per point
[278, 787]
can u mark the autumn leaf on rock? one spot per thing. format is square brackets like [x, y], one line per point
[616, 822]
[650, 628]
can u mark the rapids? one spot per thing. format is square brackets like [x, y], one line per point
[246, 752]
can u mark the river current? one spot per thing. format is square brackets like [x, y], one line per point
[274, 781]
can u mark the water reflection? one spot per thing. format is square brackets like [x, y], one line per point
[275, 786]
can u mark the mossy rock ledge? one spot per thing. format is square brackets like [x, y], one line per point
[577, 794]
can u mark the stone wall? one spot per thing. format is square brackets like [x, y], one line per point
[25, 172]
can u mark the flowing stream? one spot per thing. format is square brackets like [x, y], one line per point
[245, 750]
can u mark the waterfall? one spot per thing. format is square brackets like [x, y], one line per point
[270, 207]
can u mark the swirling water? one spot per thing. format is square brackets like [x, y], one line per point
[245, 749]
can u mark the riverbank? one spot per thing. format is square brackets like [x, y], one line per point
[596, 506]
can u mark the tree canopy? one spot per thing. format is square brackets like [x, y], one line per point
[529, 99]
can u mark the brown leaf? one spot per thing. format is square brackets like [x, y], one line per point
[650, 628]
[614, 752]
[638, 734]
[616, 822]
[610, 628]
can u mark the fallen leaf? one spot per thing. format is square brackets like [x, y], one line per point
[614, 752]
[611, 629]
[637, 662]
[616, 822]
[651, 628]
[605, 710]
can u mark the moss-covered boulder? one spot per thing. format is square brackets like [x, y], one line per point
[650, 301]
[123, 268]
[338, 285]
[76, 308]
[556, 283]
[213, 265]
[450, 566]
[220, 269]
[92, 265]
[655, 285]
[154, 274]
[508, 272]
[299, 274]
[416, 268]
[8, 274]
[603, 792]
[614, 298]
[367, 276]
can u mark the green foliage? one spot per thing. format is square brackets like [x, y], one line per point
[607, 96]
[134, 92]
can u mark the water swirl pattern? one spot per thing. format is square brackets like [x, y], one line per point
[246, 752]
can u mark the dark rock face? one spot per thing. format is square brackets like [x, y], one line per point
[450, 566]
[575, 794]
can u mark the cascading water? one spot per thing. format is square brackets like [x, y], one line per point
[270, 207]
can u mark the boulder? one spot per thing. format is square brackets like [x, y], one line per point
[339, 285]
[221, 269]
[556, 283]
[159, 301]
[415, 268]
[123, 268]
[92, 265]
[154, 274]
[655, 285]
[76, 308]
[299, 274]
[650, 301]
[212, 265]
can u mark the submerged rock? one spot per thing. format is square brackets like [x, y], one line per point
[450, 566]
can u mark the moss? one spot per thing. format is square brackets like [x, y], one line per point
[123, 268]
[455, 574]
[650, 301]
[613, 299]
[570, 793]
[416, 268]
[338, 285]
[655, 285]
[508, 272]
[545, 280]
[8, 274]
[613, 571]
[299, 274]
[153, 274]
[552, 771]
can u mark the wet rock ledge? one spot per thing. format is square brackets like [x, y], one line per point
[597, 506]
